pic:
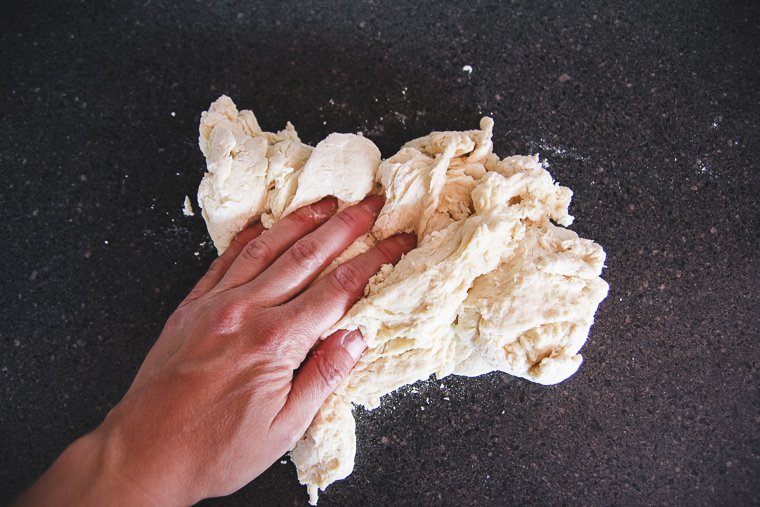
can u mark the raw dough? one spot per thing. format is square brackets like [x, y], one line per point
[493, 284]
[256, 175]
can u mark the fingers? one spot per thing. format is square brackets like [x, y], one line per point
[222, 263]
[325, 302]
[320, 375]
[308, 256]
[264, 250]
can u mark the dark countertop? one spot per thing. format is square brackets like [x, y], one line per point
[650, 112]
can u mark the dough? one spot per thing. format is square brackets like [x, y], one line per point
[495, 283]
[187, 207]
[256, 175]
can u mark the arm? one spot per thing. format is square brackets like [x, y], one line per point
[217, 399]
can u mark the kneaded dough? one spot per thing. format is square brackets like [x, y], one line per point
[496, 281]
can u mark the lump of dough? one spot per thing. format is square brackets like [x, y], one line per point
[495, 283]
[342, 165]
[255, 175]
[326, 452]
[555, 274]
[233, 191]
[424, 179]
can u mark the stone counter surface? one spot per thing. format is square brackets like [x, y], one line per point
[649, 111]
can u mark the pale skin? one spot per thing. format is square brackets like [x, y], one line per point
[238, 372]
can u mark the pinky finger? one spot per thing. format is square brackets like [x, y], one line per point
[222, 263]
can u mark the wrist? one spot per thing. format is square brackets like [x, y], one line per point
[85, 474]
[112, 477]
[149, 465]
[132, 469]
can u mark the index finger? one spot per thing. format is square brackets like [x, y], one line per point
[323, 304]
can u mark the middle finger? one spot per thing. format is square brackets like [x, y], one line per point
[301, 264]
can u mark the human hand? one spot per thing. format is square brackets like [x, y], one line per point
[218, 398]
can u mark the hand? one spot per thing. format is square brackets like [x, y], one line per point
[218, 398]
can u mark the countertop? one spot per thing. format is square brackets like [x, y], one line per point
[649, 111]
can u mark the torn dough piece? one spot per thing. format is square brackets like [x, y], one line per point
[493, 284]
[187, 207]
[256, 175]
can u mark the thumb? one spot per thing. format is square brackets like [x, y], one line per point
[321, 373]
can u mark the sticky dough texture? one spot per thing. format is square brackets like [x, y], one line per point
[493, 284]
[256, 175]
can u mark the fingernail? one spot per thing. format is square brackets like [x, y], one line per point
[373, 204]
[407, 240]
[324, 209]
[328, 204]
[354, 344]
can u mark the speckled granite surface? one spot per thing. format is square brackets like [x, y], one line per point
[650, 112]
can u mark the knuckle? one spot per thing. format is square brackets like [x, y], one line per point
[330, 371]
[229, 319]
[348, 278]
[351, 218]
[237, 242]
[177, 318]
[271, 339]
[218, 266]
[274, 338]
[387, 250]
[306, 252]
[303, 216]
[256, 251]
